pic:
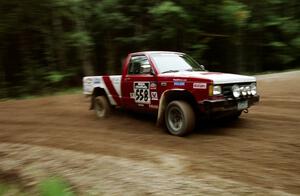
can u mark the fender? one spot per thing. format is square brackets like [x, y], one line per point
[162, 105]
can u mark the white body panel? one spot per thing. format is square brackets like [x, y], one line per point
[92, 82]
[217, 78]
[116, 81]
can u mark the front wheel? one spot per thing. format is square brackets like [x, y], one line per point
[179, 118]
[101, 107]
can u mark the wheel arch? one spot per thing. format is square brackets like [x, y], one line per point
[172, 95]
[98, 91]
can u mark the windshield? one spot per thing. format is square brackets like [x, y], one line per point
[171, 62]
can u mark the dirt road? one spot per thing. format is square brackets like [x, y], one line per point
[128, 155]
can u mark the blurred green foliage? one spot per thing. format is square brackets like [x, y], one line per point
[49, 187]
[49, 45]
[3, 189]
[55, 187]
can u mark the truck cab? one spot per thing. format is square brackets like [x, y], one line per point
[174, 87]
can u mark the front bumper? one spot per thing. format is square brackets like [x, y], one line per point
[226, 104]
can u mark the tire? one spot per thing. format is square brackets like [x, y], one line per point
[102, 107]
[179, 118]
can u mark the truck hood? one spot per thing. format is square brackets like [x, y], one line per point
[216, 77]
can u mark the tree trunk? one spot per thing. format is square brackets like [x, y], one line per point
[87, 67]
[110, 53]
[59, 42]
[84, 51]
[240, 52]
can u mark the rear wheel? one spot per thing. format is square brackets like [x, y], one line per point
[179, 118]
[101, 107]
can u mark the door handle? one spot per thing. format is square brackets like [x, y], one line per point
[127, 79]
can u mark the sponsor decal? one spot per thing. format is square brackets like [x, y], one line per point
[153, 106]
[97, 81]
[163, 84]
[153, 85]
[89, 81]
[179, 83]
[131, 95]
[199, 85]
[154, 96]
[141, 92]
[141, 105]
[179, 79]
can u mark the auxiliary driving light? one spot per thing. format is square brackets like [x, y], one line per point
[248, 89]
[253, 89]
[236, 91]
[243, 90]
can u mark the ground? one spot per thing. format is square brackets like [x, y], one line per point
[128, 155]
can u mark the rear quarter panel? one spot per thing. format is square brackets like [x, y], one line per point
[110, 84]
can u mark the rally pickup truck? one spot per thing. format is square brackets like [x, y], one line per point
[173, 86]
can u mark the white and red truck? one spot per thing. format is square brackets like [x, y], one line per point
[175, 87]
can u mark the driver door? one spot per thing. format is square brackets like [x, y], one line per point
[137, 83]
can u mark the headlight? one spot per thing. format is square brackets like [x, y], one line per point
[217, 90]
[253, 89]
[236, 91]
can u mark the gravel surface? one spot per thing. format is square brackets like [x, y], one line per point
[128, 155]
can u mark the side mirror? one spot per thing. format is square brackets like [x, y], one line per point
[202, 67]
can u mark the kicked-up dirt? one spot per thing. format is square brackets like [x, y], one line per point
[126, 154]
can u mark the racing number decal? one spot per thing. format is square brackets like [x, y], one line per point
[141, 92]
[141, 95]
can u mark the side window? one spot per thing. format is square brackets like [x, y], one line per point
[139, 65]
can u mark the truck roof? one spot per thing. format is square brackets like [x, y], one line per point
[155, 52]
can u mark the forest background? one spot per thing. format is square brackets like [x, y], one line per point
[49, 45]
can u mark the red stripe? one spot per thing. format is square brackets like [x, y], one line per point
[112, 89]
